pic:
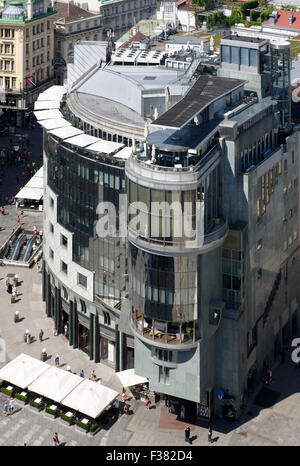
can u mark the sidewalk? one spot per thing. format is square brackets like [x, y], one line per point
[272, 425]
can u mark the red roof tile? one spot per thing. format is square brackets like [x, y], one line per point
[283, 19]
[69, 12]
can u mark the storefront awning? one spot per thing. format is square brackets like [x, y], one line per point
[128, 378]
[90, 398]
[34, 189]
[55, 384]
[23, 370]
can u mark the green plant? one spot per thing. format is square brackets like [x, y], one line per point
[94, 427]
[82, 425]
[18, 396]
[34, 404]
[66, 418]
[51, 411]
[73, 123]
[6, 391]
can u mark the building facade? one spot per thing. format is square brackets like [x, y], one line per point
[190, 292]
[72, 24]
[26, 54]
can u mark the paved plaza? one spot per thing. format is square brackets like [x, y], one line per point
[274, 425]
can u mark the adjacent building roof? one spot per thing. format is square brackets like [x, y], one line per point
[136, 38]
[67, 12]
[205, 90]
[283, 19]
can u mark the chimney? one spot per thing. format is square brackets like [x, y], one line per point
[272, 19]
[29, 9]
[291, 19]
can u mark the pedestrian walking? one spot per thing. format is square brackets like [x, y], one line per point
[210, 435]
[126, 409]
[56, 440]
[81, 373]
[41, 335]
[93, 375]
[116, 404]
[147, 402]
[124, 396]
[56, 360]
[18, 219]
[66, 330]
[11, 405]
[187, 432]
[6, 408]
[169, 406]
[182, 412]
[2, 210]
[54, 331]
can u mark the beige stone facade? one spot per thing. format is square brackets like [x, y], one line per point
[73, 24]
[26, 54]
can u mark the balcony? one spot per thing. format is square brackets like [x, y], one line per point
[165, 335]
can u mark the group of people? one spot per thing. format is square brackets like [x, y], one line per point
[9, 407]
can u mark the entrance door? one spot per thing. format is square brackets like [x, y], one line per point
[129, 358]
[83, 342]
[111, 351]
[103, 348]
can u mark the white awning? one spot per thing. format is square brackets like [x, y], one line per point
[46, 114]
[53, 93]
[35, 194]
[55, 384]
[46, 104]
[124, 153]
[23, 370]
[66, 132]
[128, 378]
[34, 189]
[82, 140]
[106, 147]
[90, 398]
[53, 123]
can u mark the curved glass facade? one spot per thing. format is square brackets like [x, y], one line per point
[81, 183]
[170, 217]
[164, 294]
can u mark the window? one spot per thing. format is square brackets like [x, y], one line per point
[164, 375]
[285, 165]
[63, 240]
[42, 27]
[225, 53]
[235, 55]
[106, 318]
[64, 267]
[58, 44]
[33, 30]
[83, 306]
[253, 57]
[51, 253]
[65, 293]
[27, 33]
[259, 273]
[48, 24]
[38, 29]
[244, 56]
[33, 61]
[82, 280]
[13, 83]
[51, 227]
